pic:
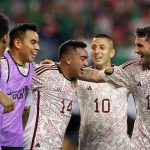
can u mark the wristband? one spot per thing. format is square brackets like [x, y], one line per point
[109, 71]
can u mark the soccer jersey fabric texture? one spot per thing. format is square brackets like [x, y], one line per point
[136, 78]
[29, 128]
[103, 112]
[17, 83]
[55, 95]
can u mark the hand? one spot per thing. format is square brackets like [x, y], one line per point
[86, 74]
[47, 61]
[7, 102]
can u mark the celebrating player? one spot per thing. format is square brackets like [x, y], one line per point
[54, 89]
[17, 75]
[134, 75]
[103, 108]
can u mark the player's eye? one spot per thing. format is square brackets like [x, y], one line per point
[102, 47]
[93, 47]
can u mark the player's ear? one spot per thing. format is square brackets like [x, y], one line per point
[5, 38]
[68, 60]
[112, 53]
[17, 43]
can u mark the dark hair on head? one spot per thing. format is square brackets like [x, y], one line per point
[70, 45]
[19, 30]
[143, 32]
[4, 25]
[103, 36]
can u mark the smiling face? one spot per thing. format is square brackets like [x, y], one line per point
[101, 52]
[79, 59]
[27, 47]
[143, 49]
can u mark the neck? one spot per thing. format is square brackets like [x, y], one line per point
[2, 49]
[102, 67]
[65, 71]
[148, 66]
[16, 58]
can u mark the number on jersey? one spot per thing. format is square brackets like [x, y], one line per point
[105, 105]
[68, 108]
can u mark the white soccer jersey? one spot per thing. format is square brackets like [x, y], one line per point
[54, 95]
[103, 110]
[29, 128]
[136, 78]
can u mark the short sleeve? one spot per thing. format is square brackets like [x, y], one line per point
[120, 78]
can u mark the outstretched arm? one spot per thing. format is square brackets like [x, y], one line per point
[94, 75]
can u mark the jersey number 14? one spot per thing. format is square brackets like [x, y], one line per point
[68, 107]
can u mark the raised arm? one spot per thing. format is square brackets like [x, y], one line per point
[91, 75]
[94, 75]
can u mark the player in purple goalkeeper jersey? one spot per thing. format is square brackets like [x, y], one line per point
[17, 72]
[103, 108]
[5, 101]
[134, 75]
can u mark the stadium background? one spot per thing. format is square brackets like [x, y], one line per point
[60, 20]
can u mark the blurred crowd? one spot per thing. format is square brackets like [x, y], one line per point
[60, 20]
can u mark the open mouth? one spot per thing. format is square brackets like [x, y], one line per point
[98, 58]
[34, 54]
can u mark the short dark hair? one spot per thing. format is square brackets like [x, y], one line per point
[70, 44]
[4, 25]
[143, 32]
[19, 30]
[105, 36]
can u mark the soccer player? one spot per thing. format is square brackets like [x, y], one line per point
[134, 75]
[54, 87]
[16, 74]
[103, 108]
[5, 101]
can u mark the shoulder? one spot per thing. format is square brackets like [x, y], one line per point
[45, 67]
[130, 64]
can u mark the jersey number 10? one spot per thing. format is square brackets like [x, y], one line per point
[105, 106]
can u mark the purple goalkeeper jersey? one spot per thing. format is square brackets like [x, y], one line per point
[18, 80]
[2, 87]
